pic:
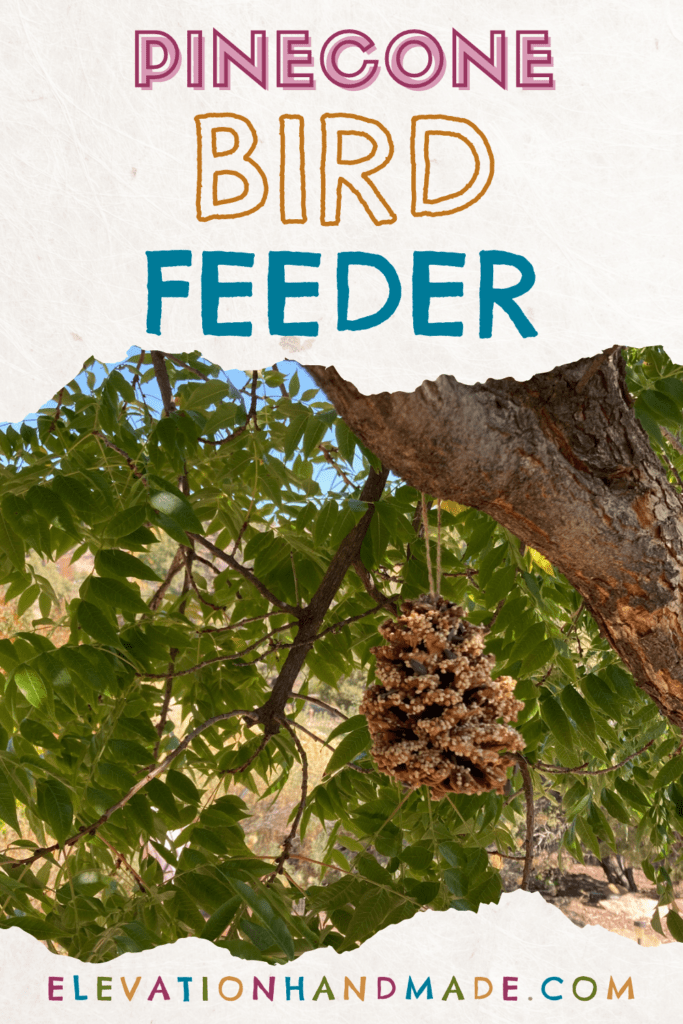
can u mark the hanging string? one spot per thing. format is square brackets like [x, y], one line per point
[425, 525]
[438, 547]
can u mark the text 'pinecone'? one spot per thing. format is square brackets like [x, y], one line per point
[433, 716]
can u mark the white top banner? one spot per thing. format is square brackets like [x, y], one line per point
[482, 189]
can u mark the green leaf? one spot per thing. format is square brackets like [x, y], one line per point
[182, 786]
[162, 797]
[54, 806]
[346, 441]
[27, 599]
[675, 925]
[529, 642]
[31, 685]
[587, 836]
[369, 914]
[613, 805]
[92, 620]
[671, 771]
[11, 544]
[557, 721]
[220, 919]
[661, 407]
[598, 693]
[353, 744]
[8, 808]
[112, 561]
[114, 594]
[273, 924]
[349, 725]
[538, 657]
[417, 857]
[576, 706]
[631, 793]
[126, 522]
[169, 506]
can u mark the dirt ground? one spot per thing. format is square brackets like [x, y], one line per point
[582, 892]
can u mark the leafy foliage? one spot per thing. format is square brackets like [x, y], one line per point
[202, 528]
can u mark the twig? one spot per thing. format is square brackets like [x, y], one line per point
[241, 622]
[372, 589]
[242, 529]
[55, 418]
[320, 703]
[92, 829]
[542, 767]
[308, 732]
[114, 447]
[287, 842]
[185, 366]
[243, 767]
[223, 556]
[121, 859]
[356, 767]
[166, 704]
[425, 526]
[251, 417]
[331, 461]
[283, 389]
[188, 557]
[173, 569]
[529, 839]
[506, 856]
[572, 622]
[672, 440]
[205, 561]
[207, 662]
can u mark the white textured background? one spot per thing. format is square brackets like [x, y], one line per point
[93, 172]
[587, 187]
[522, 938]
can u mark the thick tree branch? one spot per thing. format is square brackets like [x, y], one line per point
[530, 821]
[161, 374]
[562, 462]
[312, 617]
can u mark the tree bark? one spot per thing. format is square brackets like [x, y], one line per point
[562, 461]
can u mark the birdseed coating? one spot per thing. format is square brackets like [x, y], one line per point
[436, 717]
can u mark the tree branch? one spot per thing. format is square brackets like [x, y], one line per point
[529, 840]
[230, 560]
[287, 842]
[91, 830]
[544, 768]
[320, 703]
[561, 461]
[372, 589]
[114, 447]
[173, 570]
[311, 618]
[161, 374]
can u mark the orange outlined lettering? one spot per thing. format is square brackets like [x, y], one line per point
[292, 167]
[217, 157]
[423, 128]
[335, 170]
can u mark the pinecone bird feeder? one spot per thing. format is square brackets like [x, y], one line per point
[436, 717]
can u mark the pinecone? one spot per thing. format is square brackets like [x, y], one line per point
[434, 716]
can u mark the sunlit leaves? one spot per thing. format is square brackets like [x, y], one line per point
[264, 469]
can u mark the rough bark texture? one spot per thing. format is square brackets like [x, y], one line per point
[561, 461]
